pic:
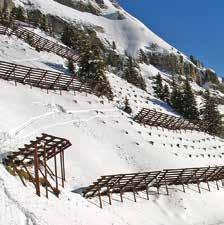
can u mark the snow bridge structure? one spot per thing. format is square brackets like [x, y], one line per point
[31, 163]
[159, 119]
[143, 181]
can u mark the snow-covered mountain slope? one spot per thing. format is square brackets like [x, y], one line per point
[115, 145]
[14, 50]
[105, 140]
[129, 33]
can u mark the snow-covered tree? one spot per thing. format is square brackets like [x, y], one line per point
[190, 110]
[176, 98]
[92, 69]
[142, 57]
[17, 13]
[211, 114]
[158, 86]
[166, 94]
[127, 107]
[67, 35]
[132, 73]
[70, 65]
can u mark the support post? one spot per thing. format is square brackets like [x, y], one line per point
[108, 193]
[100, 200]
[207, 183]
[183, 187]
[62, 172]
[63, 162]
[45, 172]
[121, 196]
[36, 169]
[217, 185]
[134, 195]
[55, 169]
[167, 191]
[157, 185]
[147, 190]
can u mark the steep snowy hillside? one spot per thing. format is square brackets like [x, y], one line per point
[114, 26]
[129, 34]
[115, 145]
[105, 139]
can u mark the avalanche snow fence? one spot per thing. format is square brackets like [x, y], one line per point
[154, 118]
[41, 78]
[37, 41]
[134, 182]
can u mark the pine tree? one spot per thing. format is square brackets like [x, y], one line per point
[43, 24]
[17, 13]
[190, 110]
[176, 98]
[158, 86]
[67, 35]
[70, 65]
[166, 94]
[211, 115]
[132, 73]
[127, 107]
[92, 69]
[114, 45]
[142, 57]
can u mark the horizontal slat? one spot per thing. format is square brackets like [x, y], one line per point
[154, 118]
[41, 78]
[140, 181]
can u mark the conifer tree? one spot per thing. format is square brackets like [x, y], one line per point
[166, 94]
[211, 115]
[190, 110]
[132, 74]
[142, 57]
[114, 45]
[127, 107]
[92, 69]
[43, 23]
[17, 13]
[67, 35]
[70, 65]
[158, 86]
[176, 98]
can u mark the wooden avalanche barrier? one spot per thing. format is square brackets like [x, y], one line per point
[38, 41]
[134, 182]
[41, 78]
[31, 163]
[154, 118]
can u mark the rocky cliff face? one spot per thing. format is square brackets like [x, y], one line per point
[6, 5]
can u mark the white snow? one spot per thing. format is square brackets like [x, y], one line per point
[105, 140]
[25, 113]
[129, 34]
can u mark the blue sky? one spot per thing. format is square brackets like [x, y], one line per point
[194, 26]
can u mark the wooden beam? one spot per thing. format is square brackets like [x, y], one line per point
[36, 169]
[45, 172]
